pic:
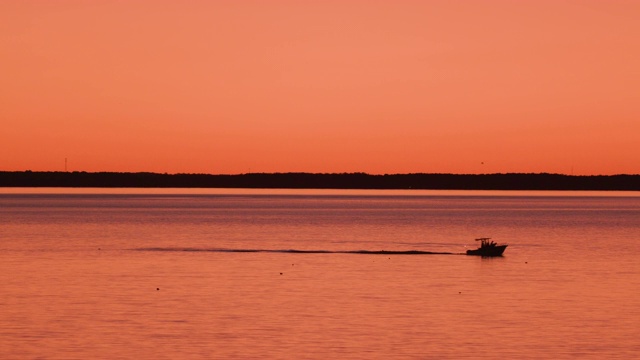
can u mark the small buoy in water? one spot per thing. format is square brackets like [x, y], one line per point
[157, 289]
[280, 273]
[526, 262]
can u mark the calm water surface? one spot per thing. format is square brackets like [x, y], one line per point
[138, 273]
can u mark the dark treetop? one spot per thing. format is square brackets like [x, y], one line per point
[322, 181]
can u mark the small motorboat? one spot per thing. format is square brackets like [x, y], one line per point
[487, 248]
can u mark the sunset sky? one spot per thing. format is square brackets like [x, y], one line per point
[239, 86]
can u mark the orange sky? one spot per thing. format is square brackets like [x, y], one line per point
[320, 86]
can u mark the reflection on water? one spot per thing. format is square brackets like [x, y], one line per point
[75, 283]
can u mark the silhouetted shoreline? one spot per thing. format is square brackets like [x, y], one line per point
[511, 181]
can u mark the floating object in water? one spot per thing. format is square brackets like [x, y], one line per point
[488, 248]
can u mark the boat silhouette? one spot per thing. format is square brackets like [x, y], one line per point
[487, 248]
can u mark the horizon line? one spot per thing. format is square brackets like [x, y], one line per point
[310, 173]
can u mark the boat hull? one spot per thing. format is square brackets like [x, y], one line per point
[488, 251]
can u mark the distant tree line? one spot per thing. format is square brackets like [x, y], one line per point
[510, 181]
